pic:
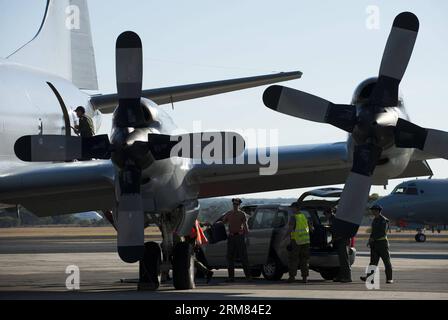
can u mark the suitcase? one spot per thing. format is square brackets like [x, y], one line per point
[216, 233]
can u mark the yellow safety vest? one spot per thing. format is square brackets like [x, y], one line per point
[301, 234]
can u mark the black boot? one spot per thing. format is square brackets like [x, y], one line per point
[209, 276]
[231, 277]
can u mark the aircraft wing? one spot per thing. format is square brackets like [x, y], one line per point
[59, 188]
[298, 167]
[106, 103]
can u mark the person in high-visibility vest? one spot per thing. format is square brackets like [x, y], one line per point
[378, 243]
[299, 246]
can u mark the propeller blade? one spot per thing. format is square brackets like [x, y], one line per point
[396, 56]
[129, 74]
[309, 107]
[206, 146]
[355, 195]
[130, 219]
[409, 135]
[44, 148]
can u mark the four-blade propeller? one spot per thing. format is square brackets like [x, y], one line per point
[364, 120]
[130, 152]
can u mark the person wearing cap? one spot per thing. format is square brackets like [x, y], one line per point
[85, 126]
[299, 246]
[236, 240]
[378, 243]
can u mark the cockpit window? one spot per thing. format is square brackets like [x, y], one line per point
[399, 190]
[406, 190]
[411, 191]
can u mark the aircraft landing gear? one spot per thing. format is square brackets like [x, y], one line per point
[183, 266]
[420, 237]
[149, 267]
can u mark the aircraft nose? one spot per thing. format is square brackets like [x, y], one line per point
[385, 203]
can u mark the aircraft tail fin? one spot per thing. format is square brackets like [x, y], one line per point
[63, 44]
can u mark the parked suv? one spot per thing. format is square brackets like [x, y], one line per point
[267, 243]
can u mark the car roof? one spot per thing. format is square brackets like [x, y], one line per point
[268, 206]
[323, 193]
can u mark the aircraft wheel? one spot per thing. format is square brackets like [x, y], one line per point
[149, 267]
[420, 237]
[183, 266]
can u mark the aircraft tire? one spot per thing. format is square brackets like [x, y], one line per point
[183, 266]
[149, 267]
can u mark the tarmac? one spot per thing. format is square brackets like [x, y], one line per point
[35, 268]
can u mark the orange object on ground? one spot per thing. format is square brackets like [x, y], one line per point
[197, 234]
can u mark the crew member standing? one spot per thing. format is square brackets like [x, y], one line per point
[379, 245]
[299, 246]
[236, 244]
[85, 126]
[342, 246]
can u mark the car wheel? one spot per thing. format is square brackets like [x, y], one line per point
[272, 270]
[329, 273]
[255, 273]
[420, 237]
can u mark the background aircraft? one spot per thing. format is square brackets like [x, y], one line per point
[422, 202]
[43, 80]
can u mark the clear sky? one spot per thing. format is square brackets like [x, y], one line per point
[203, 40]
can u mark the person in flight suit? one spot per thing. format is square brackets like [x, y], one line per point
[378, 243]
[85, 127]
[236, 241]
[299, 247]
[342, 246]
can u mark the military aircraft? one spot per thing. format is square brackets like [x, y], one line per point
[421, 202]
[135, 173]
